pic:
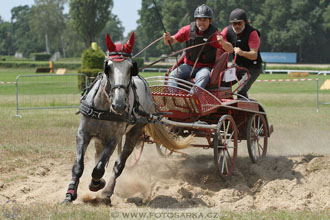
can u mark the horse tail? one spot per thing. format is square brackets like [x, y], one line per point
[161, 135]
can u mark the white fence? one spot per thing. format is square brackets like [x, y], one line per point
[47, 91]
[50, 91]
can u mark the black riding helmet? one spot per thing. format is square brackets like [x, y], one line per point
[237, 15]
[203, 11]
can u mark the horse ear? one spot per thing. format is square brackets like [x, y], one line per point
[135, 69]
[130, 42]
[110, 45]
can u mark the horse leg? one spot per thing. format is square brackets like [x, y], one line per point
[97, 181]
[96, 185]
[131, 140]
[82, 141]
[98, 150]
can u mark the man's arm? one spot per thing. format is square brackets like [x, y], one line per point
[251, 55]
[254, 43]
[225, 44]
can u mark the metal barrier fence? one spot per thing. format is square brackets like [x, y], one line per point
[47, 91]
[51, 91]
[270, 71]
[322, 98]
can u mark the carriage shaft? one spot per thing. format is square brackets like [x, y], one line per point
[189, 125]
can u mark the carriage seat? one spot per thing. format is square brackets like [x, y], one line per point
[220, 65]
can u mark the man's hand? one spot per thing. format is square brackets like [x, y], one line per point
[251, 55]
[238, 51]
[168, 38]
[225, 44]
[220, 39]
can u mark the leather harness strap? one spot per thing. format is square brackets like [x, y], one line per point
[91, 112]
[129, 118]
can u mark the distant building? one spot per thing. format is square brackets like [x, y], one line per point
[18, 54]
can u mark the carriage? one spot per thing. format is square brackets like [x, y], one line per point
[216, 113]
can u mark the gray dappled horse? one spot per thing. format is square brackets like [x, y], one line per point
[119, 103]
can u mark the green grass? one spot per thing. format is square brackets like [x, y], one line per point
[305, 91]
[10, 75]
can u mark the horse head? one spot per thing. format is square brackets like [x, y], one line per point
[119, 69]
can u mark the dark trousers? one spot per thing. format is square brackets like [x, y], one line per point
[254, 73]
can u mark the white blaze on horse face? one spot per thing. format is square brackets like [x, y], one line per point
[119, 77]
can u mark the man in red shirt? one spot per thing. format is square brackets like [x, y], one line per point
[246, 41]
[199, 31]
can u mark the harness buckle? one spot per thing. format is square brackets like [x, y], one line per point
[90, 112]
[99, 115]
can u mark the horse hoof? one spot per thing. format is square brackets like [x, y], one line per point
[67, 202]
[107, 201]
[95, 186]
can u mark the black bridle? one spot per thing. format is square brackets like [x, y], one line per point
[107, 71]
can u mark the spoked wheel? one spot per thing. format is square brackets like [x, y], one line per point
[256, 137]
[225, 146]
[136, 153]
[163, 151]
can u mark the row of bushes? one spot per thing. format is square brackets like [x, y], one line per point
[57, 64]
[37, 64]
[40, 56]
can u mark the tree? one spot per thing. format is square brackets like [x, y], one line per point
[326, 17]
[149, 27]
[48, 22]
[299, 26]
[23, 39]
[72, 43]
[5, 38]
[299, 29]
[89, 17]
[115, 30]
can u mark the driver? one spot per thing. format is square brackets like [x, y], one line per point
[246, 42]
[199, 31]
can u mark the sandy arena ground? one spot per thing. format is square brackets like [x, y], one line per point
[278, 182]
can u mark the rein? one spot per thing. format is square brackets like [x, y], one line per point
[174, 53]
[152, 43]
[105, 93]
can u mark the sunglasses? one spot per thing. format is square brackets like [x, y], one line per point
[237, 23]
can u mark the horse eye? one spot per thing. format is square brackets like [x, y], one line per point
[107, 67]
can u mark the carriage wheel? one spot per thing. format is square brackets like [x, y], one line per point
[135, 155]
[225, 146]
[163, 151]
[256, 137]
